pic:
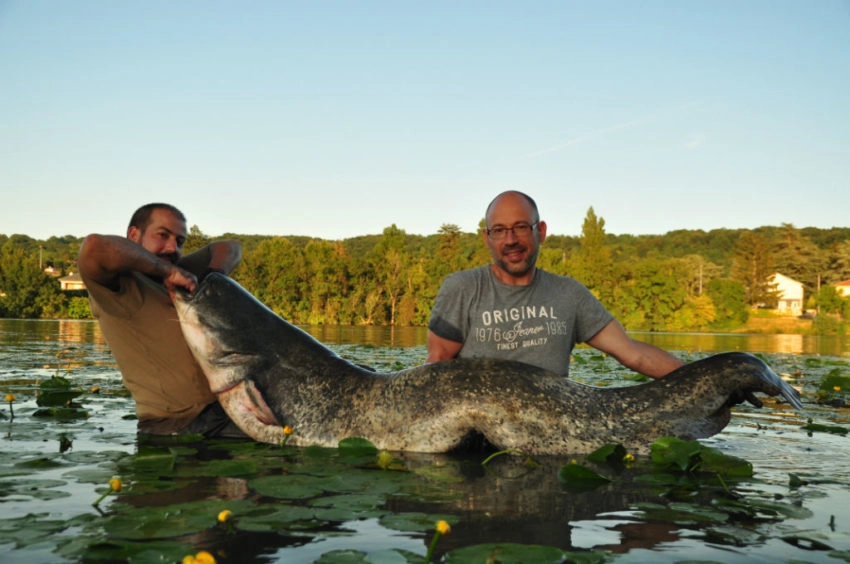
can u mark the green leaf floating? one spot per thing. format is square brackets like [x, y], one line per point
[577, 476]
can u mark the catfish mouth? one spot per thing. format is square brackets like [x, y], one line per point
[189, 304]
[211, 320]
[204, 281]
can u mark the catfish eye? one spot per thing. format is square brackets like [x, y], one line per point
[206, 273]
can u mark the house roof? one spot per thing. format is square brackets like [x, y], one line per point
[779, 275]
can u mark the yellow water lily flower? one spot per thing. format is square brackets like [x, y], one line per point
[10, 398]
[442, 528]
[225, 516]
[629, 458]
[204, 557]
[114, 486]
[95, 389]
[385, 458]
[837, 388]
[287, 432]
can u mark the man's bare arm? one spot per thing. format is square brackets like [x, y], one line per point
[222, 256]
[440, 348]
[637, 355]
[103, 258]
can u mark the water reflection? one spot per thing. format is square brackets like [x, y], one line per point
[74, 331]
[830, 345]
[61, 330]
[379, 336]
[514, 504]
[52, 344]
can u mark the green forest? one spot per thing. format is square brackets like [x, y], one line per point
[684, 280]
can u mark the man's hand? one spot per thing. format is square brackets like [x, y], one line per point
[179, 278]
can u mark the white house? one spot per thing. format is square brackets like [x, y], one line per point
[72, 282]
[789, 293]
[843, 288]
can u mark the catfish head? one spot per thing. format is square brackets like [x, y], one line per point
[227, 330]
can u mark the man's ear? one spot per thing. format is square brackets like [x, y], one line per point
[541, 230]
[134, 234]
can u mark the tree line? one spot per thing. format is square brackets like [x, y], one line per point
[684, 280]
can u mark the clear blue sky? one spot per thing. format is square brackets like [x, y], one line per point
[337, 119]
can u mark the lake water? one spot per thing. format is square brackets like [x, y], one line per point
[52, 468]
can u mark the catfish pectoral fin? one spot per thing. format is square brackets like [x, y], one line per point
[751, 397]
[246, 407]
[257, 405]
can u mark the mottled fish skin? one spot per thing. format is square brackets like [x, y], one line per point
[433, 407]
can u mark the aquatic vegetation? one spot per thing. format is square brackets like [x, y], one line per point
[287, 432]
[834, 388]
[528, 460]
[10, 399]
[225, 517]
[812, 427]
[115, 485]
[768, 488]
[202, 557]
[442, 528]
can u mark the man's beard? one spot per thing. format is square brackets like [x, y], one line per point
[170, 257]
[517, 269]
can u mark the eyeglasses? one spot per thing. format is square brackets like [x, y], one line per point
[520, 230]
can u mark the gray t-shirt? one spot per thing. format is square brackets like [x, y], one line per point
[537, 324]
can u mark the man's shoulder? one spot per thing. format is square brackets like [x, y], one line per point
[469, 274]
[469, 277]
[560, 280]
[125, 282]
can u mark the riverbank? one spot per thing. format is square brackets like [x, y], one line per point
[777, 325]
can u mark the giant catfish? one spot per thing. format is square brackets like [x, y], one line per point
[268, 374]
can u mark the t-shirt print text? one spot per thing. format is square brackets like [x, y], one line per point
[513, 337]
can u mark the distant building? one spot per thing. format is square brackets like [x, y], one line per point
[789, 294]
[71, 283]
[843, 288]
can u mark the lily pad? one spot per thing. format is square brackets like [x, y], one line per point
[61, 413]
[507, 554]
[293, 486]
[356, 446]
[415, 522]
[718, 462]
[449, 472]
[670, 451]
[274, 518]
[352, 502]
[575, 476]
[168, 522]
